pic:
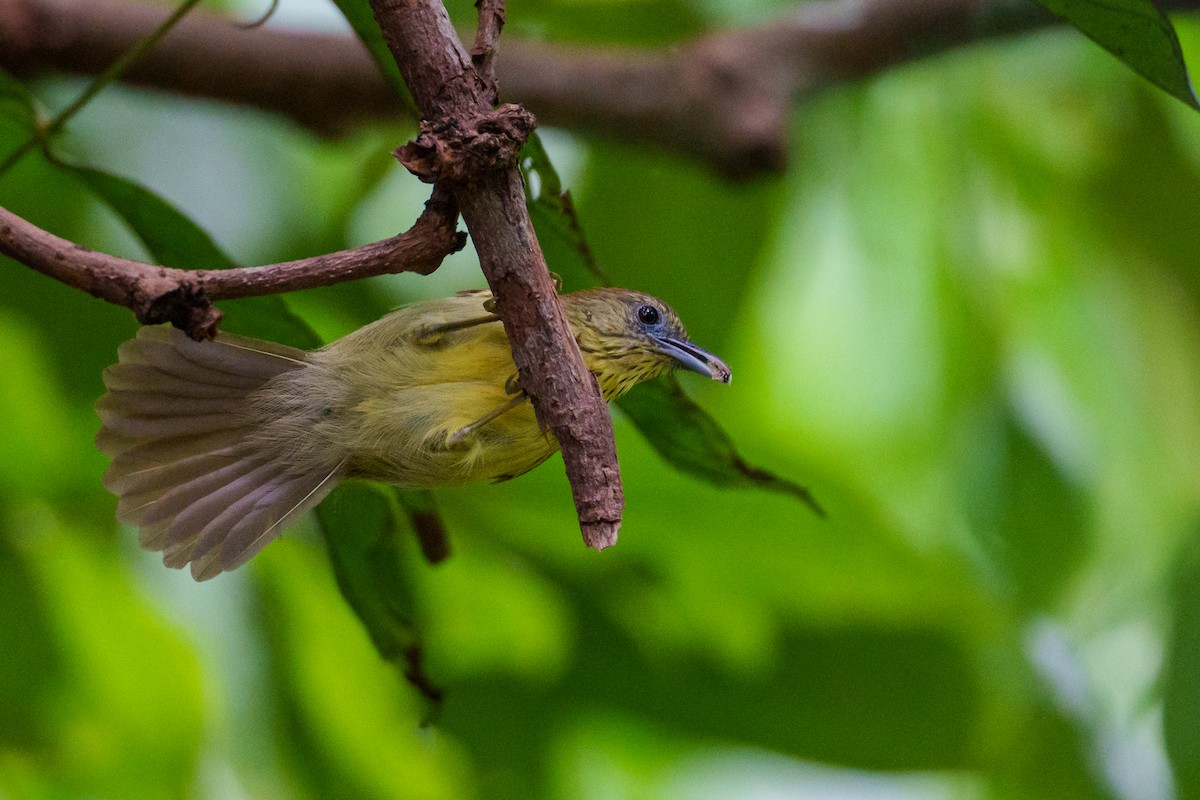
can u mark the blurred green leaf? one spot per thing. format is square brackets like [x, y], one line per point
[360, 531]
[1136, 32]
[1045, 515]
[813, 701]
[1181, 677]
[693, 442]
[39, 434]
[352, 728]
[118, 707]
[268, 318]
[112, 72]
[1053, 757]
[77, 334]
[916, 686]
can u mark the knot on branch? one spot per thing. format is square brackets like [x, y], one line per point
[440, 220]
[449, 153]
[184, 304]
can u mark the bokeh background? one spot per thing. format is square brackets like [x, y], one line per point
[966, 318]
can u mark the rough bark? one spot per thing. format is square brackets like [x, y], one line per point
[184, 297]
[724, 97]
[471, 149]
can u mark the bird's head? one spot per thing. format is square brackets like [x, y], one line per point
[627, 337]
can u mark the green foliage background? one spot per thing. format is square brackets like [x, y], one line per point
[966, 319]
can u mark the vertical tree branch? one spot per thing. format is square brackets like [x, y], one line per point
[487, 37]
[472, 148]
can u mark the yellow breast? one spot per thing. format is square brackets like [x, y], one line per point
[412, 392]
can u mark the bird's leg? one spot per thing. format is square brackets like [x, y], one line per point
[431, 334]
[503, 408]
[510, 387]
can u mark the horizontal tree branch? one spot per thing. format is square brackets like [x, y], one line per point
[184, 297]
[724, 98]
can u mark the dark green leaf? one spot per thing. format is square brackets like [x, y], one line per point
[54, 312]
[1137, 33]
[691, 441]
[555, 221]
[16, 105]
[422, 513]
[372, 570]
[915, 690]
[1146, 157]
[175, 241]
[646, 211]
[268, 318]
[172, 239]
[30, 661]
[1181, 680]
[358, 13]
[360, 531]
[18, 120]
[1028, 517]
[645, 23]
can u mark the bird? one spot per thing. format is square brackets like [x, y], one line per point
[219, 445]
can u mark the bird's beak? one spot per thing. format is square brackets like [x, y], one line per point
[694, 358]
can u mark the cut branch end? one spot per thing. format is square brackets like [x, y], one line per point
[599, 534]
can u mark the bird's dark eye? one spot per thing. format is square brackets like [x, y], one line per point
[648, 315]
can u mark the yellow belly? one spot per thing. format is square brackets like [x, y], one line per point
[406, 437]
[408, 394]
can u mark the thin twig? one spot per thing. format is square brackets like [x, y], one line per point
[487, 37]
[184, 297]
[109, 75]
[262, 18]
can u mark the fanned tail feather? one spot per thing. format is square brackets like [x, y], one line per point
[184, 467]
